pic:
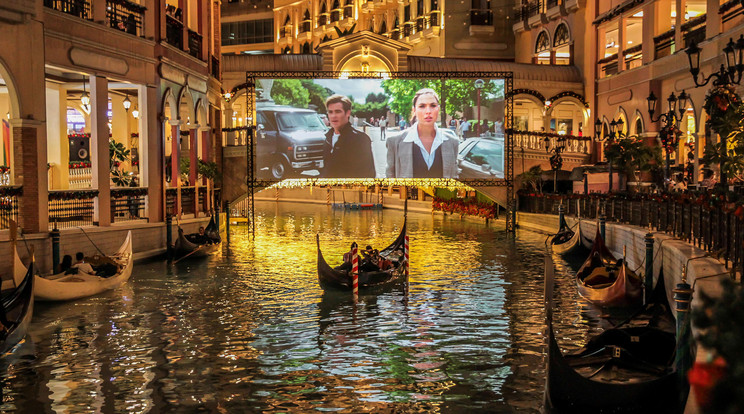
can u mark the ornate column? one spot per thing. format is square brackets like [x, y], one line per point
[152, 152]
[206, 156]
[29, 170]
[175, 161]
[99, 150]
[194, 166]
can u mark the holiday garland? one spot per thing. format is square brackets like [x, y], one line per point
[10, 191]
[669, 136]
[73, 195]
[233, 129]
[128, 192]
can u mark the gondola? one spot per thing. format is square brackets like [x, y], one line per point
[333, 278]
[63, 286]
[567, 241]
[17, 308]
[605, 281]
[625, 369]
[187, 246]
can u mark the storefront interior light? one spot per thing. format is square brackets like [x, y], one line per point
[135, 112]
[127, 103]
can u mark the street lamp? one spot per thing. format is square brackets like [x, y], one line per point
[616, 130]
[478, 86]
[127, 103]
[728, 74]
[671, 122]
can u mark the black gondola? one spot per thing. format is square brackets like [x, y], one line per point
[335, 278]
[567, 241]
[17, 309]
[195, 245]
[628, 368]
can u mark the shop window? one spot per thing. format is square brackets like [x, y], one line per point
[542, 48]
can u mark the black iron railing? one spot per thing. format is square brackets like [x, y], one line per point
[126, 16]
[336, 15]
[714, 226]
[323, 19]
[174, 32]
[348, 11]
[633, 56]
[71, 208]
[9, 205]
[195, 44]
[534, 8]
[128, 204]
[521, 14]
[77, 8]
[552, 3]
[608, 65]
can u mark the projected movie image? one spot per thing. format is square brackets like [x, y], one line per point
[379, 128]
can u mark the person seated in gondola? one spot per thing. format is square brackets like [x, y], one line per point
[66, 263]
[383, 263]
[348, 256]
[370, 263]
[81, 265]
[200, 237]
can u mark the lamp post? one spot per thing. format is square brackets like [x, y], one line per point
[478, 86]
[670, 118]
[730, 73]
[616, 130]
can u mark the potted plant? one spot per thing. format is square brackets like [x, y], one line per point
[630, 155]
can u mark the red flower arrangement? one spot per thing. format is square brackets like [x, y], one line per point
[74, 165]
[469, 207]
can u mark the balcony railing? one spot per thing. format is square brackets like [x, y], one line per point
[633, 56]
[521, 14]
[481, 17]
[323, 19]
[195, 44]
[692, 217]
[534, 8]
[348, 10]
[694, 30]
[71, 208]
[336, 15]
[171, 195]
[174, 32]
[729, 11]
[608, 65]
[9, 205]
[125, 16]
[408, 29]
[128, 204]
[77, 8]
[533, 140]
[285, 31]
[188, 200]
[552, 3]
[305, 26]
[664, 44]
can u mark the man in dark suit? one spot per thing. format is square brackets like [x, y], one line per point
[347, 151]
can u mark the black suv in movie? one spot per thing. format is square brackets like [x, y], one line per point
[289, 141]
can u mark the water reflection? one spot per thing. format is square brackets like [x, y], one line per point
[250, 330]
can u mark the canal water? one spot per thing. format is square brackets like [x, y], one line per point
[250, 330]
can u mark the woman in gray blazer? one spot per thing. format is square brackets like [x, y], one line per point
[423, 150]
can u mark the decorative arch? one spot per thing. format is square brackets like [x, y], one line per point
[15, 103]
[542, 43]
[621, 114]
[287, 20]
[169, 100]
[374, 55]
[638, 126]
[525, 91]
[562, 35]
[201, 111]
[186, 101]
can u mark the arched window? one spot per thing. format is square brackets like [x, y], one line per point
[383, 27]
[287, 50]
[542, 48]
[306, 16]
[336, 4]
[638, 126]
[287, 21]
[323, 8]
[306, 48]
[561, 45]
[561, 36]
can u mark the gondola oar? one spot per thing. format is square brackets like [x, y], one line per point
[189, 254]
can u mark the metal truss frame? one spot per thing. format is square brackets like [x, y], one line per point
[254, 185]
